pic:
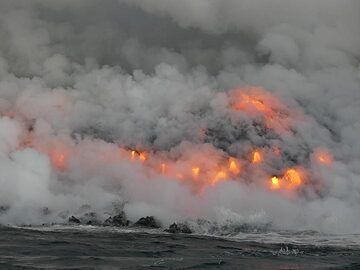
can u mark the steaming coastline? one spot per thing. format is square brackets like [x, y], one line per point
[78, 94]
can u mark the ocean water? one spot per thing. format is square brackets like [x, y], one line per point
[89, 247]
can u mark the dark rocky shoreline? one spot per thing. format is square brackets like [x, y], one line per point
[120, 220]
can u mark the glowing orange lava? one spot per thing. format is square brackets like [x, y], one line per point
[136, 155]
[214, 168]
[323, 156]
[220, 175]
[250, 101]
[195, 171]
[275, 183]
[133, 152]
[142, 156]
[59, 158]
[256, 101]
[198, 169]
[234, 166]
[200, 165]
[256, 157]
[292, 178]
[163, 168]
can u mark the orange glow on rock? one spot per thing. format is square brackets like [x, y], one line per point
[292, 178]
[133, 155]
[59, 159]
[213, 170]
[195, 171]
[220, 175]
[323, 156]
[163, 168]
[250, 101]
[136, 155]
[142, 156]
[234, 167]
[275, 183]
[255, 101]
[256, 157]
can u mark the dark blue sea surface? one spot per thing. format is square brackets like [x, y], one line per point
[90, 247]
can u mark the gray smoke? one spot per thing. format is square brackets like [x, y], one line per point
[90, 76]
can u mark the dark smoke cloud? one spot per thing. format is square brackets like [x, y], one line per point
[93, 74]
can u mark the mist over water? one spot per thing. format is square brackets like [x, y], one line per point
[144, 105]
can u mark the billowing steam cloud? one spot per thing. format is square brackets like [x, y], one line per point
[236, 112]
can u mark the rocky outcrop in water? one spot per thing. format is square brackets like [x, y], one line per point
[119, 220]
[178, 228]
[74, 220]
[90, 219]
[148, 222]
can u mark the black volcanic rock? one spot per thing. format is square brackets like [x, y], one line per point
[119, 220]
[74, 220]
[178, 228]
[90, 218]
[148, 222]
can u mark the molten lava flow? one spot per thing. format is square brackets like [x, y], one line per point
[195, 171]
[136, 155]
[292, 178]
[58, 150]
[275, 183]
[142, 156]
[163, 168]
[214, 166]
[133, 152]
[59, 158]
[201, 165]
[234, 167]
[256, 101]
[323, 156]
[256, 157]
[250, 101]
[220, 175]
[198, 169]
